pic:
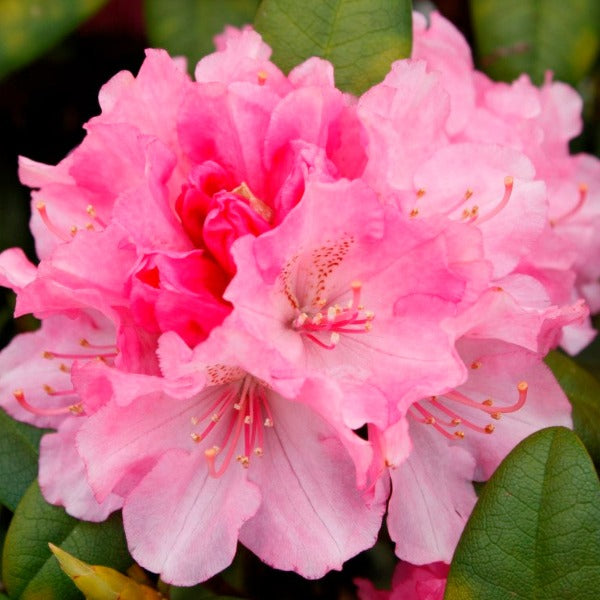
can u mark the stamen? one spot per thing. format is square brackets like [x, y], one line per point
[90, 210]
[236, 412]
[51, 354]
[508, 187]
[41, 208]
[486, 406]
[583, 190]
[75, 409]
[262, 76]
[337, 320]
[429, 419]
[256, 204]
[86, 344]
[52, 392]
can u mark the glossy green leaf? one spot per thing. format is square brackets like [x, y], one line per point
[535, 531]
[29, 27]
[360, 37]
[19, 445]
[531, 36]
[187, 27]
[583, 391]
[29, 569]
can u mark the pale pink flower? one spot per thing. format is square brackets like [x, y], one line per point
[461, 436]
[539, 122]
[409, 582]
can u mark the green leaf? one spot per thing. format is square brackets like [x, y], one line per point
[29, 27]
[531, 36]
[583, 391]
[29, 569]
[187, 27]
[535, 531]
[360, 37]
[19, 445]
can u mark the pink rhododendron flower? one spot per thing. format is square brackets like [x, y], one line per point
[538, 122]
[409, 582]
[238, 271]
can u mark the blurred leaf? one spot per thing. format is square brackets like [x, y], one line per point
[19, 448]
[583, 391]
[360, 37]
[102, 583]
[535, 530]
[29, 569]
[531, 36]
[187, 27]
[29, 27]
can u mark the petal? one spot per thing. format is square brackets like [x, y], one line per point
[63, 479]
[184, 524]
[432, 497]
[139, 433]
[312, 517]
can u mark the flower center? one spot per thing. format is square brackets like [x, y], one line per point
[324, 327]
[237, 415]
[435, 412]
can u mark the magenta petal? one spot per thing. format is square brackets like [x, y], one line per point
[184, 524]
[312, 517]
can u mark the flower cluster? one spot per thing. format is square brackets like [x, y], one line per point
[271, 309]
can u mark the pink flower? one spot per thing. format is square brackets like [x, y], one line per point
[539, 123]
[461, 436]
[349, 289]
[410, 582]
[258, 265]
[170, 175]
[137, 231]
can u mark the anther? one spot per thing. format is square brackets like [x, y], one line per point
[468, 193]
[475, 364]
[488, 402]
[490, 428]
[420, 193]
[262, 76]
[459, 434]
[268, 422]
[413, 213]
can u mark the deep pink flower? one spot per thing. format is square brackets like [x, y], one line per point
[409, 582]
